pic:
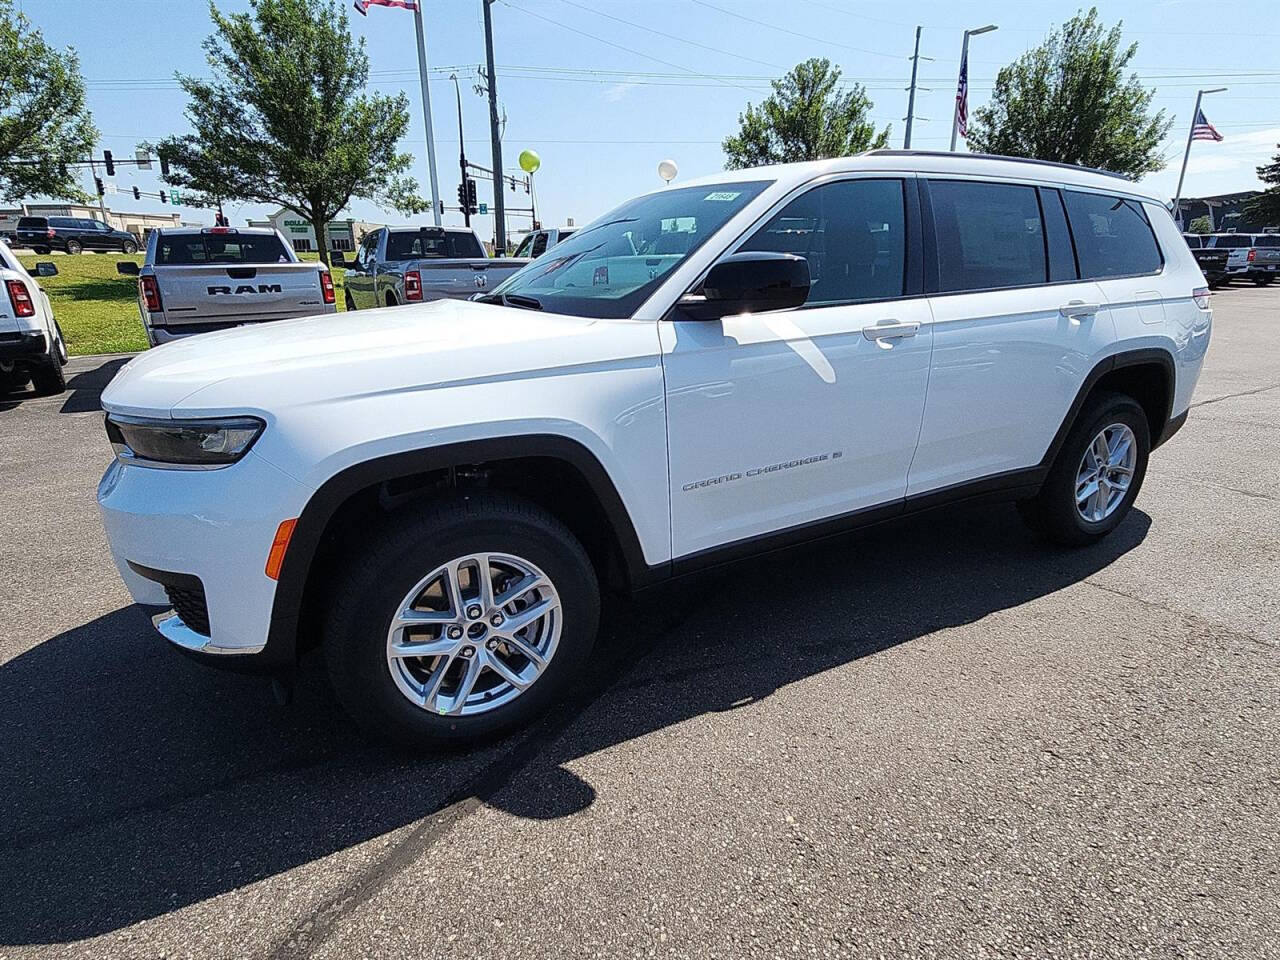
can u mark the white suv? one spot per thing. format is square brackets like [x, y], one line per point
[438, 494]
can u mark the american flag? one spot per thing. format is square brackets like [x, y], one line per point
[362, 6]
[962, 98]
[1202, 129]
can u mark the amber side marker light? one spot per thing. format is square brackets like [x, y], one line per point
[275, 559]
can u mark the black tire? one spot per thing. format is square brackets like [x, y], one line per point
[74, 247]
[408, 546]
[1053, 511]
[41, 251]
[391, 300]
[1263, 281]
[128, 247]
[347, 301]
[47, 376]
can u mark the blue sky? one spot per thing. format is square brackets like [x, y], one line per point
[605, 89]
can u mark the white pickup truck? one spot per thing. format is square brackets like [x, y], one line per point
[396, 265]
[199, 279]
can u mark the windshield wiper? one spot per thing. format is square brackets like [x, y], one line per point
[521, 301]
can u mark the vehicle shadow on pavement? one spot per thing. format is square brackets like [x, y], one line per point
[136, 783]
[84, 389]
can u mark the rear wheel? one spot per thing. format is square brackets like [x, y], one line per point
[1096, 475]
[47, 374]
[391, 300]
[129, 247]
[462, 622]
[1263, 280]
[73, 247]
[42, 251]
[347, 301]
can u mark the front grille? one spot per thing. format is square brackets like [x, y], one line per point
[189, 604]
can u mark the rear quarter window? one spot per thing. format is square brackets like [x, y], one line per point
[1267, 240]
[1113, 236]
[32, 223]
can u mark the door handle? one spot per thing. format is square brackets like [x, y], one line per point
[1077, 309]
[890, 330]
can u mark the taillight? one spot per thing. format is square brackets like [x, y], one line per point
[1201, 296]
[150, 291]
[51, 232]
[21, 299]
[326, 287]
[412, 285]
[1253, 255]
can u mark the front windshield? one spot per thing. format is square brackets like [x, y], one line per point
[610, 267]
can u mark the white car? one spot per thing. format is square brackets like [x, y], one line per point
[31, 344]
[439, 494]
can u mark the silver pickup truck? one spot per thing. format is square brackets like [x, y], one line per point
[396, 265]
[198, 279]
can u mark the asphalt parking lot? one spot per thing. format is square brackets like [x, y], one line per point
[940, 738]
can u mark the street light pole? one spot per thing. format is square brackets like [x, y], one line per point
[426, 113]
[500, 210]
[1191, 127]
[964, 71]
[462, 152]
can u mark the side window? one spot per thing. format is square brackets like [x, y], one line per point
[852, 232]
[990, 235]
[539, 244]
[525, 245]
[1112, 234]
[1062, 257]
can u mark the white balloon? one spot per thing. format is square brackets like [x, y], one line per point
[667, 170]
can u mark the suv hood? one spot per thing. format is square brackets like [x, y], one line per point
[265, 367]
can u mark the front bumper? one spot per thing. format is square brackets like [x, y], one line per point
[212, 527]
[22, 346]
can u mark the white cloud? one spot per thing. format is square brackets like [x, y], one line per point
[619, 90]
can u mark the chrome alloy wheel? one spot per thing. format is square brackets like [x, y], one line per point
[1105, 472]
[474, 634]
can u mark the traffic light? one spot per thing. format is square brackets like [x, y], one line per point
[137, 194]
[97, 183]
[163, 197]
[471, 195]
[462, 195]
[111, 164]
[164, 165]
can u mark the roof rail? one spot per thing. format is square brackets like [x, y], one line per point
[889, 152]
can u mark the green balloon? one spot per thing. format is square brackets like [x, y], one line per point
[529, 161]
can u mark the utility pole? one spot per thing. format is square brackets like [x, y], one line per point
[426, 113]
[911, 99]
[462, 152]
[1191, 131]
[500, 211]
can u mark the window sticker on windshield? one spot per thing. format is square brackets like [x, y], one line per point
[723, 195]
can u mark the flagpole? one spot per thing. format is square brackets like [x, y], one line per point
[1191, 130]
[426, 112]
[964, 78]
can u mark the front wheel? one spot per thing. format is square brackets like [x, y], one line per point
[1096, 475]
[460, 622]
[73, 247]
[129, 247]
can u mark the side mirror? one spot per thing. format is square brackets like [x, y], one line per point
[45, 268]
[127, 267]
[749, 283]
[336, 259]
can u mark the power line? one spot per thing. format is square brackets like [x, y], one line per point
[803, 36]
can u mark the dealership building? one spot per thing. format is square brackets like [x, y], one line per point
[341, 234]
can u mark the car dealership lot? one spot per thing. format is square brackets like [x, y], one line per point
[935, 738]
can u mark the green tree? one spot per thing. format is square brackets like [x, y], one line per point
[45, 126]
[1200, 225]
[807, 117]
[1068, 100]
[1265, 209]
[285, 119]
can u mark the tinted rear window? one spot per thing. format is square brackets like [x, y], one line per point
[426, 243]
[32, 223]
[64, 222]
[1112, 234]
[989, 235]
[1194, 241]
[1267, 240]
[1230, 241]
[224, 248]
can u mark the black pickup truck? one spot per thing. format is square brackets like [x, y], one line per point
[1212, 260]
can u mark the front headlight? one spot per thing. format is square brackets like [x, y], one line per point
[191, 444]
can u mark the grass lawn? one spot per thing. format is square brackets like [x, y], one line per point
[96, 307]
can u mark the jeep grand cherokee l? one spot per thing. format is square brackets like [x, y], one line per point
[438, 494]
